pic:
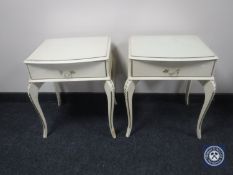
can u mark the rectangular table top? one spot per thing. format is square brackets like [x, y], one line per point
[71, 49]
[169, 47]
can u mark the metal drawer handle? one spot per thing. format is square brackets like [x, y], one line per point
[67, 74]
[172, 72]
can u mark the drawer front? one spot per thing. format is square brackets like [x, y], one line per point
[67, 71]
[172, 69]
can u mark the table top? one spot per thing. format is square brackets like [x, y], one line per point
[71, 49]
[169, 47]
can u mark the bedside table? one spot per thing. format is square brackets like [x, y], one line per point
[71, 60]
[175, 57]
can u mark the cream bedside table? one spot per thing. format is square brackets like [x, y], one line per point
[170, 58]
[71, 60]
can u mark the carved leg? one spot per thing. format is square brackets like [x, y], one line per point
[110, 91]
[129, 90]
[188, 86]
[209, 88]
[57, 88]
[115, 101]
[113, 74]
[33, 90]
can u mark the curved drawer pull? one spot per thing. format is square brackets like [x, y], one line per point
[172, 72]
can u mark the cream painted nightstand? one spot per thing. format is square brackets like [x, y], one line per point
[175, 57]
[71, 60]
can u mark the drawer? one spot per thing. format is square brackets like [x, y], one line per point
[95, 69]
[172, 69]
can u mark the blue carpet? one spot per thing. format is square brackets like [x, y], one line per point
[163, 140]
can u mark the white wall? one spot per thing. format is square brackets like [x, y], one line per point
[24, 24]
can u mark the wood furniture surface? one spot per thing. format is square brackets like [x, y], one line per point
[71, 60]
[170, 57]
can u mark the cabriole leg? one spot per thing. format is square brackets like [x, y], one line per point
[57, 88]
[209, 89]
[33, 90]
[188, 87]
[110, 92]
[128, 91]
[115, 101]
